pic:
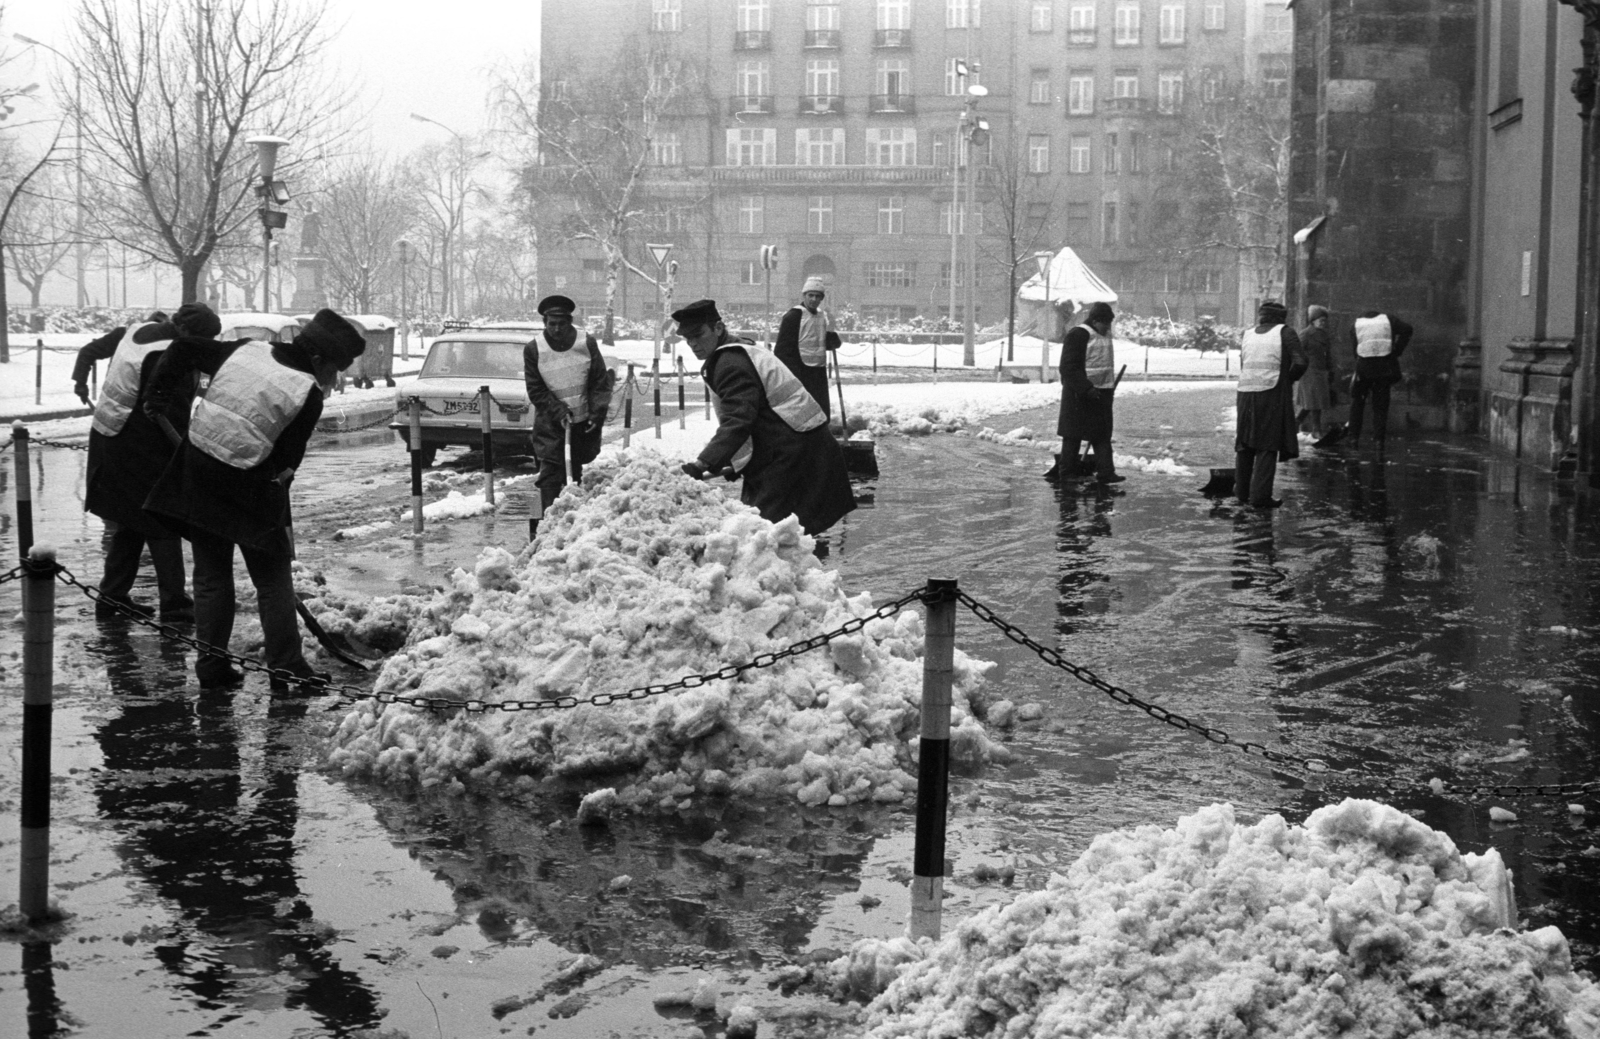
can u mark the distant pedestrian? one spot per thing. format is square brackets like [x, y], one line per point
[1311, 392]
[127, 453]
[1088, 384]
[228, 485]
[1270, 361]
[570, 388]
[1379, 339]
[805, 335]
[770, 429]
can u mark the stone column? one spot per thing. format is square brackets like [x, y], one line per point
[1587, 379]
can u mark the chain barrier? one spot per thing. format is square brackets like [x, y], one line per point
[15, 573]
[371, 425]
[34, 438]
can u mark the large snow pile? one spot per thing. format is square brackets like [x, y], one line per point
[1362, 922]
[641, 576]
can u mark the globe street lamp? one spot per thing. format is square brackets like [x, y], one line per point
[270, 191]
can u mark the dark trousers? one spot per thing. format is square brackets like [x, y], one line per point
[1253, 473]
[553, 465]
[1379, 389]
[123, 547]
[275, 599]
[1071, 452]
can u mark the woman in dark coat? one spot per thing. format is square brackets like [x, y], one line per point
[1088, 383]
[1311, 391]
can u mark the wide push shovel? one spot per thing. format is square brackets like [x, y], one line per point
[347, 648]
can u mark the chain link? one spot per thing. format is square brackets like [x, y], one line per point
[370, 425]
[34, 438]
[13, 574]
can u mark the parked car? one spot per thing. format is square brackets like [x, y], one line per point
[268, 328]
[457, 365]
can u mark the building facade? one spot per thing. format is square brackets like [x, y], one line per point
[834, 131]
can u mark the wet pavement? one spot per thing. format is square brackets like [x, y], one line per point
[1428, 614]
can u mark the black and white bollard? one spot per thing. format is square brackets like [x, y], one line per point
[38, 676]
[655, 382]
[933, 759]
[485, 401]
[38, 374]
[19, 447]
[627, 409]
[683, 421]
[416, 466]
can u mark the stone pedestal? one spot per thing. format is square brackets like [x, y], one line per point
[1531, 418]
[1466, 386]
[310, 294]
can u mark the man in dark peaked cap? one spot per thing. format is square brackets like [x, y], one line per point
[569, 386]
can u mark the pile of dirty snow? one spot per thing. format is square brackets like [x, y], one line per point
[642, 576]
[1364, 921]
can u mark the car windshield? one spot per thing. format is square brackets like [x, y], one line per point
[473, 360]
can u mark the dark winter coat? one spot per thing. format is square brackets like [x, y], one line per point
[787, 349]
[1383, 369]
[1266, 418]
[123, 468]
[789, 473]
[99, 350]
[549, 412]
[199, 493]
[1085, 411]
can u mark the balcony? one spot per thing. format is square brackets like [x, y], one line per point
[822, 104]
[751, 104]
[822, 39]
[1081, 38]
[1126, 105]
[891, 38]
[756, 40]
[841, 175]
[892, 104]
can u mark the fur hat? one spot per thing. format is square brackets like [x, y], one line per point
[197, 319]
[1099, 312]
[814, 284]
[701, 312]
[550, 303]
[332, 338]
[1272, 310]
[1315, 311]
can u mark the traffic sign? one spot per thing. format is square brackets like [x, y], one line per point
[769, 257]
[659, 252]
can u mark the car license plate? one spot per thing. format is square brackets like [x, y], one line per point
[452, 407]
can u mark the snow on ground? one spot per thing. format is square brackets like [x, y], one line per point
[1364, 921]
[642, 576]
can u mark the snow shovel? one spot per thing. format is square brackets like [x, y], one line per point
[343, 647]
[860, 456]
[1083, 456]
[1331, 437]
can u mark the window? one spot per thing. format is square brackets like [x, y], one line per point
[822, 77]
[960, 278]
[1133, 224]
[891, 146]
[1038, 215]
[819, 214]
[752, 147]
[750, 273]
[960, 211]
[755, 15]
[1079, 153]
[752, 79]
[894, 14]
[1126, 31]
[1278, 18]
[1039, 16]
[1078, 221]
[1038, 153]
[1108, 229]
[1169, 158]
[1125, 83]
[1113, 156]
[1080, 93]
[1208, 279]
[1080, 29]
[822, 16]
[1169, 92]
[819, 147]
[941, 149]
[666, 15]
[959, 13]
[1275, 76]
[1171, 30]
[1039, 92]
[1136, 152]
[665, 149]
[894, 77]
[889, 275]
[752, 214]
[1214, 16]
[668, 220]
[594, 271]
[1210, 87]
[892, 215]
[955, 84]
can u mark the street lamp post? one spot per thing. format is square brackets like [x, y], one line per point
[977, 135]
[457, 215]
[270, 191]
[403, 246]
[80, 260]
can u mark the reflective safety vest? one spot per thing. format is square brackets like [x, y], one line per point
[813, 339]
[1374, 337]
[785, 394]
[566, 374]
[119, 394]
[1260, 359]
[1100, 363]
[250, 402]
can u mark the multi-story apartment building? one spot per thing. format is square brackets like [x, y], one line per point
[832, 130]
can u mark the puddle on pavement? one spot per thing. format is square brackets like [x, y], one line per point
[1432, 615]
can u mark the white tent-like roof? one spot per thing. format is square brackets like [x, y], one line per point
[1070, 279]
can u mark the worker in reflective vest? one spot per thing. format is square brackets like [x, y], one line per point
[569, 386]
[228, 485]
[805, 335]
[770, 430]
[1088, 383]
[1270, 360]
[1379, 340]
[127, 453]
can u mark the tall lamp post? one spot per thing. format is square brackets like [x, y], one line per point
[80, 260]
[270, 191]
[403, 247]
[976, 133]
[457, 205]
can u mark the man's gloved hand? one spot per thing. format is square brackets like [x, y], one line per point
[731, 474]
[595, 424]
[82, 390]
[694, 470]
[286, 477]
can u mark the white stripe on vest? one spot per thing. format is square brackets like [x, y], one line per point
[785, 395]
[1374, 337]
[1260, 359]
[119, 394]
[813, 338]
[250, 402]
[1100, 362]
[566, 374]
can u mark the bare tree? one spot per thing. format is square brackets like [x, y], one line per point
[444, 180]
[365, 209]
[171, 90]
[1022, 199]
[590, 131]
[41, 229]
